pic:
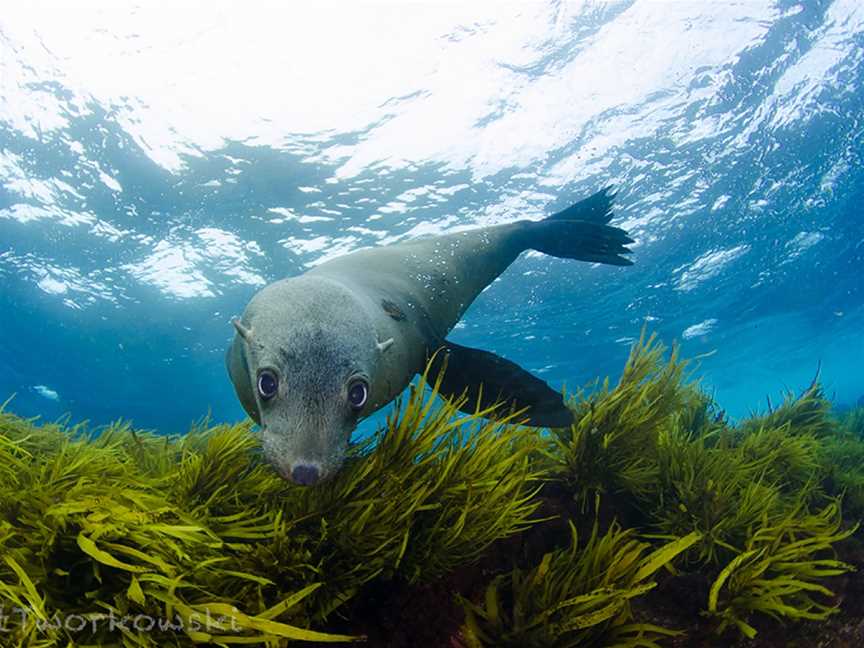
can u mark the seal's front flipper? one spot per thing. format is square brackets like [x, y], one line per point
[238, 369]
[477, 373]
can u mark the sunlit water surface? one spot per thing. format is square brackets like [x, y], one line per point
[158, 166]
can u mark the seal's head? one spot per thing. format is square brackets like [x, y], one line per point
[302, 363]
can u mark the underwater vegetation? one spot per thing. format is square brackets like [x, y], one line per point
[444, 529]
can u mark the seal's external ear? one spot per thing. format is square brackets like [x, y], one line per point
[238, 369]
[386, 344]
[245, 333]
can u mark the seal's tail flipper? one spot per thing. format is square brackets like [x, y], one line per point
[582, 232]
[596, 208]
[487, 379]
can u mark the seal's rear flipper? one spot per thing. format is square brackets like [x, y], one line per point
[468, 371]
[596, 208]
[581, 232]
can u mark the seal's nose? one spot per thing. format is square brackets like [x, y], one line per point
[305, 475]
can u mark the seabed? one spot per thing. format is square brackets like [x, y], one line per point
[652, 521]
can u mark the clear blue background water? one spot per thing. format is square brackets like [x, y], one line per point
[158, 167]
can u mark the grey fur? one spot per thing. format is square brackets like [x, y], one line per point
[380, 313]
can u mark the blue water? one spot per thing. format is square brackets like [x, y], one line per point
[157, 168]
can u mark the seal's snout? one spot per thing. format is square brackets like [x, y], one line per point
[305, 475]
[302, 466]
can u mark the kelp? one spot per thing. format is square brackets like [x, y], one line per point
[138, 539]
[609, 448]
[723, 487]
[808, 412]
[717, 492]
[852, 423]
[93, 551]
[198, 534]
[661, 445]
[429, 492]
[778, 573]
[842, 461]
[575, 596]
[791, 460]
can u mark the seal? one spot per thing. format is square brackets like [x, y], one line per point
[314, 354]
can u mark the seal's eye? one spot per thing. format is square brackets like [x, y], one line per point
[267, 384]
[358, 392]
